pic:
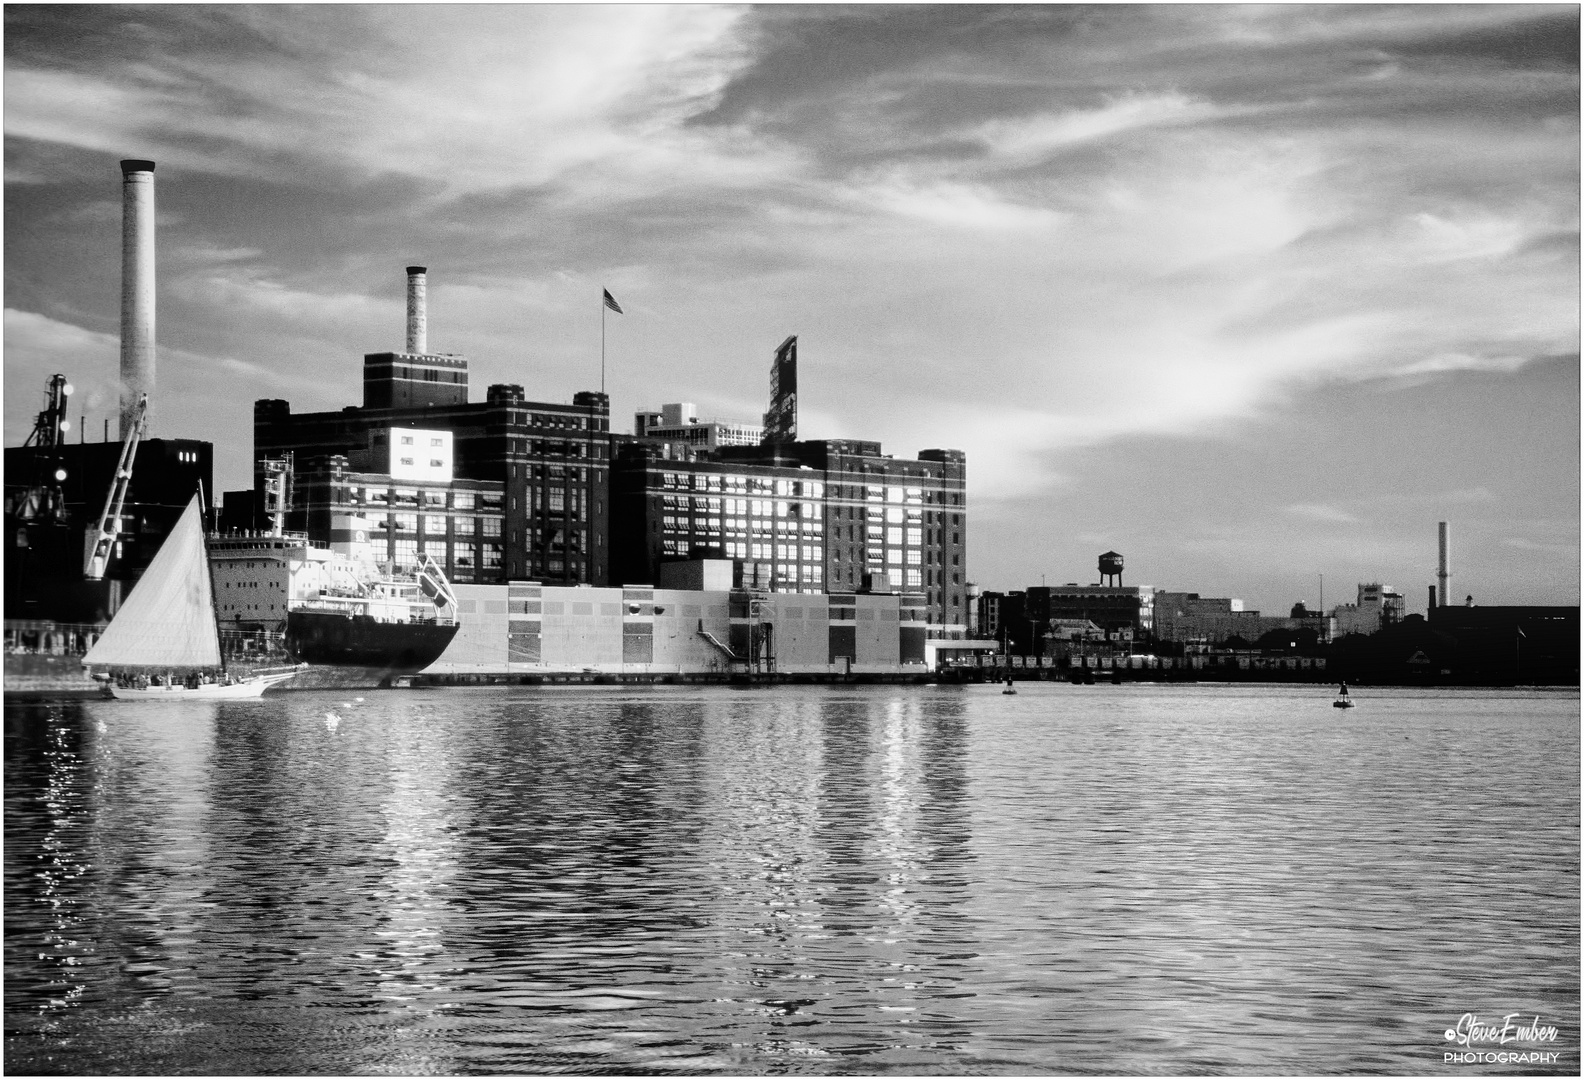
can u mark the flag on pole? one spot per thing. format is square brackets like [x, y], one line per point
[610, 302]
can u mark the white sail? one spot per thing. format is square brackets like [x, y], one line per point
[169, 620]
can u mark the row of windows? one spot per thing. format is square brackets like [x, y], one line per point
[435, 497]
[554, 420]
[437, 524]
[383, 373]
[761, 485]
[762, 526]
[896, 513]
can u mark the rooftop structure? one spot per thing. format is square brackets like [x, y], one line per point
[679, 422]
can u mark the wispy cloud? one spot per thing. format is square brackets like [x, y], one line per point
[1320, 512]
[1023, 231]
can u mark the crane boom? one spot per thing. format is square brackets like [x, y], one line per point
[98, 559]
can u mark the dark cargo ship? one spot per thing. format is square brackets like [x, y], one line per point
[355, 640]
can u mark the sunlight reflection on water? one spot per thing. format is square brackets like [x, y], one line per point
[922, 880]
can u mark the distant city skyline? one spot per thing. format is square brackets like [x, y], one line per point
[1248, 294]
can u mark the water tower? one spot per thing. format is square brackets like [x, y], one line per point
[1111, 569]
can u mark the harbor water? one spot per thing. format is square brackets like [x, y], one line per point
[817, 880]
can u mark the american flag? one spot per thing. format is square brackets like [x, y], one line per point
[610, 302]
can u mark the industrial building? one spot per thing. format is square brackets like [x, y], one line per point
[546, 464]
[1378, 606]
[56, 490]
[529, 629]
[799, 517]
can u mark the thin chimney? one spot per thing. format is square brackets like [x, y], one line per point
[137, 288]
[417, 315]
[1444, 567]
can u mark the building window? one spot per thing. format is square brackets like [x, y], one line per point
[462, 500]
[462, 526]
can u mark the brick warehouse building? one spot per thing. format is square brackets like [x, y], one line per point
[551, 461]
[811, 516]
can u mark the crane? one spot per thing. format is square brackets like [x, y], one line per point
[98, 558]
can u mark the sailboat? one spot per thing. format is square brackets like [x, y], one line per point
[168, 626]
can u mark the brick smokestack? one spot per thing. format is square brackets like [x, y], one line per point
[137, 288]
[417, 310]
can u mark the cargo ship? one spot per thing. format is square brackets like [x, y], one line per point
[395, 628]
[353, 621]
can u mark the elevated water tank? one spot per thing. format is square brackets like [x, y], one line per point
[1111, 568]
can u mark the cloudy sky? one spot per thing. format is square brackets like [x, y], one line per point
[1249, 294]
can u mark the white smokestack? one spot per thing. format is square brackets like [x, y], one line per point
[417, 313]
[137, 288]
[1444, 568]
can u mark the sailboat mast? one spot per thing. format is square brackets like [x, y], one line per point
[203, 531]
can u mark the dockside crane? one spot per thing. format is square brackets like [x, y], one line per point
[42, 500]
[98, 557]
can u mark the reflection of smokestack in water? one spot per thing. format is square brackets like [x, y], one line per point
[1443, 571]
[417, 316]
[137, 288]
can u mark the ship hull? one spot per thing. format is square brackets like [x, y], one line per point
[356, 641]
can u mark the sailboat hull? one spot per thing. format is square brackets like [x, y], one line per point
[247, 688]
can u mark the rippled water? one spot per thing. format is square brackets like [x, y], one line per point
[920, 881]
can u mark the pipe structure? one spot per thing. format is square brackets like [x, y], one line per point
[1443, 567]
[137, 290]
[417, 310]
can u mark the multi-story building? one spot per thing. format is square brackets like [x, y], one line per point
[808, 516]
[671, 504]
[1378, 605]
[550, 463]
[1189, 618]
[1124, 612]
[680, 423]
[1001, 619]
[402, 517]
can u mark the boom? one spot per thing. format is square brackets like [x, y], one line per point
[98, 559]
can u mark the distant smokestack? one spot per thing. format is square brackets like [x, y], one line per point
[417, 314]
[1432, 598]
[137, 288]
[1444, 568]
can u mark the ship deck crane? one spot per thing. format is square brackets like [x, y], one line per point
[98, 558]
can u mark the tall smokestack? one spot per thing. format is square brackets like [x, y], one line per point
[1443, 571]
[137, 288]
[417, 315]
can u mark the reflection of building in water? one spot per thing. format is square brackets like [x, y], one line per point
[846, 821]
[419, 849]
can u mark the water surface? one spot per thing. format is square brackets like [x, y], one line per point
[1115, 879]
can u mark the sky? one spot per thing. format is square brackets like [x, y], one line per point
[1253, 295]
